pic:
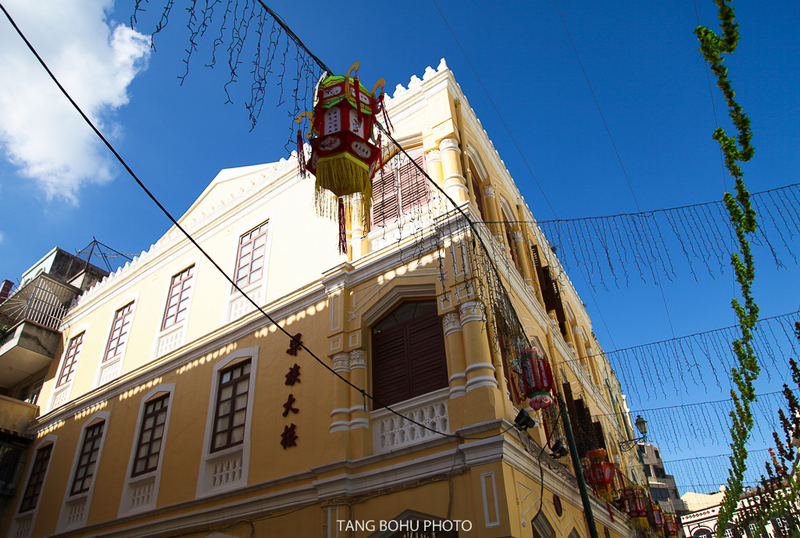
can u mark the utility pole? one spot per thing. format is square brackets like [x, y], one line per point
[576, 465]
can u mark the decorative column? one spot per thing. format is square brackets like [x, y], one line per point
[455, 354]
[341, 393]
[478, 356]
[455, 185]
[357, 244]
[359, 416]
[524, 260]
[434, 160]
[491, 207]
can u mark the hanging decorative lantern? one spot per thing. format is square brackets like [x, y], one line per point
[634, 498]
[536, 378]
[672, 524]
[657, 520]
[601, 473]
[344, 155]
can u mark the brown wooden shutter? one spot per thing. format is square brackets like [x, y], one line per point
[389, 369]
[385, 192]
[415, 189]
[408, 360]
[427, 364]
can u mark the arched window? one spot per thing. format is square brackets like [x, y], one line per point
[408, 353]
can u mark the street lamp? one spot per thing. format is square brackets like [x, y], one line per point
[641, 425]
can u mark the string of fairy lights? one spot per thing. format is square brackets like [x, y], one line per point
[632, 246]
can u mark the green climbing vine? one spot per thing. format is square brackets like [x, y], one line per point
[743, 217]
[775, 501]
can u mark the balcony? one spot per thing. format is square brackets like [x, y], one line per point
[15, 416]
[33, 316]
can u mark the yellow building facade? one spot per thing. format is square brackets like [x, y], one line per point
[173, 407]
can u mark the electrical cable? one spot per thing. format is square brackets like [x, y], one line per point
[204, 253]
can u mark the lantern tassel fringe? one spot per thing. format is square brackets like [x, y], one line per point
[340, 175]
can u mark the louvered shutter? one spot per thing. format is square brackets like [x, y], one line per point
[427, 366]
[389, 366]
[408, 360]
[414, 186]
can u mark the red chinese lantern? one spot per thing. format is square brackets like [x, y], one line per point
[634, 498]
[536, 378]
[344, 157]
[658, 516]
[601, 473]
[672, 524]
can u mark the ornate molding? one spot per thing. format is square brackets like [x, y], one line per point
[451, 323]
[472, 311]
[488, 191]
[341, 362]
[433, 156]
[358, 359]
[517, 237]
[449, 144]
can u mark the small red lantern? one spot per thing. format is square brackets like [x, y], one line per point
[672, 524]
[343, 157]
[601, 473]
[634, 498]
[658, 516]
[536, 378]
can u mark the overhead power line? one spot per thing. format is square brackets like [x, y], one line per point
[203, 252]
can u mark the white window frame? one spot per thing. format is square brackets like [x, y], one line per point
[66, 388]
[117, 361]
[178, 331]
[85, 498]
[152, 479]
[236, 305]
[30, 516]
[237, 455]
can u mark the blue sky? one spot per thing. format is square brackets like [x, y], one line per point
[58, 187]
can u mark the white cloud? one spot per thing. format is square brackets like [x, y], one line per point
[40, 131]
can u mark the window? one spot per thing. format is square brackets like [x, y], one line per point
[151, 436]
[659, 494]
[250, 258]
[36, 479]
[408, 353]
[231, 409]
[180, 291]
[476, 189]
[225, 461]
[30, 393]
[70, 360]
[401, 189]
[119, 332]
[87, 459]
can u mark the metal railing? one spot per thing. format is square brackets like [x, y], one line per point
[43, 300]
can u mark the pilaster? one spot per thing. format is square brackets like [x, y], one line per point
[455, 184]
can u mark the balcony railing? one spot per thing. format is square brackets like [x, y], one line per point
[43, 300]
